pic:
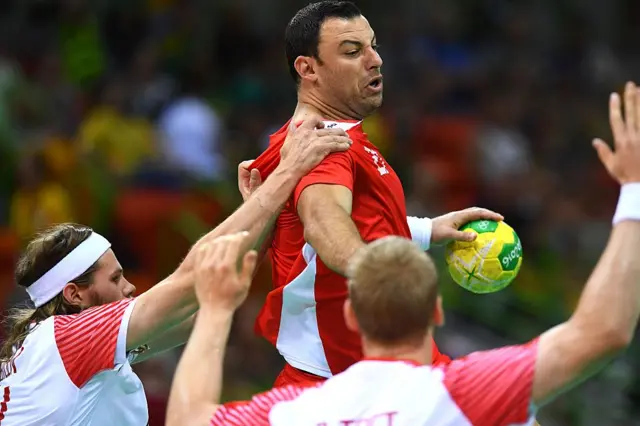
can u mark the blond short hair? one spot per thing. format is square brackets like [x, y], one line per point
[393, 288]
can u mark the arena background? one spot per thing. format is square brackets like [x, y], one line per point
[132, 115]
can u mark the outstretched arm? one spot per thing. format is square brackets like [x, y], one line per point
[607, 314]
[196, 388]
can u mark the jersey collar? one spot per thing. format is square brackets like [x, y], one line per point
[383, 359]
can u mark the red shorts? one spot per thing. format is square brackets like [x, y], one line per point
[292, 376]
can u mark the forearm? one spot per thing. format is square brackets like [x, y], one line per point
[334, 237]
[610, 304]
[602, 324]
[172, 338]
[162, 307]
[197, 384]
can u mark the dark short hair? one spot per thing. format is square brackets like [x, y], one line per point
[303, 32]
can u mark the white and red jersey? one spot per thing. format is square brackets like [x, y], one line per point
[491, 388]
[74, 370]
[302, 316]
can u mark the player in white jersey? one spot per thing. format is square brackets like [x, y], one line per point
[67, 361]
[394, 304]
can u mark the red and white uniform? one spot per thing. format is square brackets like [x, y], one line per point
[74, 370]
[490, 388]
[302, 315]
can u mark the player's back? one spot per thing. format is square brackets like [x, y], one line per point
[57, 379]
[491, 388]
[374, 393]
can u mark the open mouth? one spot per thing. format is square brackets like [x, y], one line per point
[375, 83]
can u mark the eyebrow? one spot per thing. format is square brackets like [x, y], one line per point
[118, 271]
[356, 42]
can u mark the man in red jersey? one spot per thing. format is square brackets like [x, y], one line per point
[393, 302]
[348, 200]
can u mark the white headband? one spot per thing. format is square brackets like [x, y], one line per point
[70, 267]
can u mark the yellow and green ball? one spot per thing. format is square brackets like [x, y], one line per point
[490, 262]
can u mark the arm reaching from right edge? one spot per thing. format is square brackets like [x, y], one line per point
[608, 311]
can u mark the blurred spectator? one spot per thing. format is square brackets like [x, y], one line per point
[503, 156]
[191, 133]
[122, 141]
[40, 200]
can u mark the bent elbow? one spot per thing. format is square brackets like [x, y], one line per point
[619, 340]
[600, 339]
[613, 340]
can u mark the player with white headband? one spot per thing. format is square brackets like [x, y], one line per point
[67, 361]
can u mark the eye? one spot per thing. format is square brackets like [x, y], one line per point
[375, 47]
[116, 278]
[352, 52]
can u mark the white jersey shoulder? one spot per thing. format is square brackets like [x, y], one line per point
[38, 388]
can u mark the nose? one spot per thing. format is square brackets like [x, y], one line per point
[129, 289]
[375, 60]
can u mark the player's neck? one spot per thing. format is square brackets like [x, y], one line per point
[309, 104]
[405, 352]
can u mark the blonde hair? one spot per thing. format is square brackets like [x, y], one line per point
[393, 288]
[43, 253]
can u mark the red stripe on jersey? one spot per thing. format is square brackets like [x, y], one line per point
[494, 387]
[256, 411]
[5, 400]
[87, 341]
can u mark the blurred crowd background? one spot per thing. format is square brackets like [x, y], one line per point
[131, 116]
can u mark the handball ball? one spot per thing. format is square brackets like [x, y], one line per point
[488, 264]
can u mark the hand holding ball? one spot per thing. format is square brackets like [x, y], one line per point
[490, 262]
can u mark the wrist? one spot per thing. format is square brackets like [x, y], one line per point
[628, 207]
[421, 231]
[276, 190]
[288, 172]
[216, 314]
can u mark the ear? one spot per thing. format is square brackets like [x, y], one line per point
[438, 313]
[350, 317]
[76, 295]
[305, 65]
